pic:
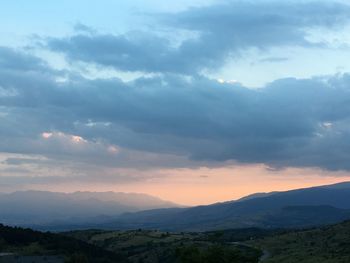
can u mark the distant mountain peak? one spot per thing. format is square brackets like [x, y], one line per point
[44, 207]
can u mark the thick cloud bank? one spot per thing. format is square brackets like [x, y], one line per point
[172, 114]
[290, 122]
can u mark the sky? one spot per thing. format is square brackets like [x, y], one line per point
[195, 101]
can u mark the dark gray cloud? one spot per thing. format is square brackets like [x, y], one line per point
[17, 60]
[171, 120]
[178, 117]
[218, 32]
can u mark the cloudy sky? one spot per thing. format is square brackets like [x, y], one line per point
[194, 101]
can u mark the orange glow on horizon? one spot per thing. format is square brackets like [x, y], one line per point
[205, 186]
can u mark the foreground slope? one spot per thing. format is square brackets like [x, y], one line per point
[329, 244]
[152, 246]
[34, 246]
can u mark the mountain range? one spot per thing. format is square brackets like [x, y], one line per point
[289, 209]
[49, 208]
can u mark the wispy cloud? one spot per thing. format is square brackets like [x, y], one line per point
[221, 32]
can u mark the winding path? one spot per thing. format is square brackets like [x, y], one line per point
[263, 257]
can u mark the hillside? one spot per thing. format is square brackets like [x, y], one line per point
[329, 244]
[34, 246]
[97, 246]
[152, 246]
[297, 208]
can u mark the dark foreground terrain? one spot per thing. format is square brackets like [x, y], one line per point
[156, 246]
[327, 244]
[25, 245]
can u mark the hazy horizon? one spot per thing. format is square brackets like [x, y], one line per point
[195, 201]
[194, 102]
